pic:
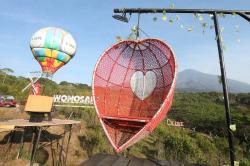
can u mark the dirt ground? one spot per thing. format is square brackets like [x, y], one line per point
[11, 113]
[76, 154]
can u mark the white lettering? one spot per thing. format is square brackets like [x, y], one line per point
[87, 100]
[82, 100]
[70, 99]
[57, 98]
[73, 99]
[64, 98]
[91, 100]
[76, 99]
[174, 123]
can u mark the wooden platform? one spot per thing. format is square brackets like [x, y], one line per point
[4, 130]
[37, 128]
[26, 123]
[118, 160]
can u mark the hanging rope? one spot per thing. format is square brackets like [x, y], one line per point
[136, 30]
[144, 32]
[138, 26]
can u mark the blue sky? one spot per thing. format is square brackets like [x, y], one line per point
[94, 29]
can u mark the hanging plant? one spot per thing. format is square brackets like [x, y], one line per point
[190, 29]
[199, 17]
[222, 15]
[118, 39]
[204, 27]
[222, 29]
[177, 18]
[164, 16]
[172, 6]
[171, 21]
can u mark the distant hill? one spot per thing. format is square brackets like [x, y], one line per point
[195, 81]
[13, 85]
[187, 81]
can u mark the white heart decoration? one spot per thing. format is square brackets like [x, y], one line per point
[143, 85]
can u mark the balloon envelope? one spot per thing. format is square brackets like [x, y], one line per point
[133, 88]
[52, 47]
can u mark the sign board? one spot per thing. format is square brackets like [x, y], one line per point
[174, 123]
[37, 103]
[73, 101]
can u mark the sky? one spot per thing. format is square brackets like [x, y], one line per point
[94, 29]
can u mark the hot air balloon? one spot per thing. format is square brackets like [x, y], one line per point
[133, 88]
[52, 48]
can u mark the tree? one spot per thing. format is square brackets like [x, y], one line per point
[5, 72]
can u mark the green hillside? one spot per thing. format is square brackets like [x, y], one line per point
[207, 144]
[202, 140]
[205, 113]
[12, 85]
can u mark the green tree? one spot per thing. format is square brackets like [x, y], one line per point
[5, 72]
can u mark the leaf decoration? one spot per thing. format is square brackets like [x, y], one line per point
[118, 38]
[204, 25]
[134, 28]
[171, 21]
[201, 18]
[164, 17]
[211, 15]
[196, 15]
[189, 29]
[234, 14]
[222, 29]
[236, 163]
[233, 127]
[237, 28]
[224, 47]
[172, 6]
[221, 38]
[178, 18]
[133, 33]
[222, 15]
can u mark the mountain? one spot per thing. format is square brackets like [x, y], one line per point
[194, 81]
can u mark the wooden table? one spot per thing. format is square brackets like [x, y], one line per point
[37, 127]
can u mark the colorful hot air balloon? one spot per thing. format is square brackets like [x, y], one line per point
[52, 47]
[133, 88]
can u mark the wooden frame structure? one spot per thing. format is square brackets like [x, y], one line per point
[243, 13]
[37, 128]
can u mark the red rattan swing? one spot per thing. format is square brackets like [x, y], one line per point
[133, 88]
